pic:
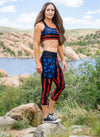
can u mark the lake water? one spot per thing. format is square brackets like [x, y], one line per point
[15, 66]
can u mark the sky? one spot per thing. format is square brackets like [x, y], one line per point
[76, 14]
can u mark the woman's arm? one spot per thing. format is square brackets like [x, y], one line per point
[60, 51]
[36, 43]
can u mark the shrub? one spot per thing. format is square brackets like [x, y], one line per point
[10, 51]
[31, 46]
[82, 87]
[20, 124]
[97, 52]
[19, 53]
[1, 33]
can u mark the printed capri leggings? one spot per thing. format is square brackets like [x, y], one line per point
[51, 72]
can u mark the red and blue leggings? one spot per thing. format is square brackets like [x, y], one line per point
[51, 72]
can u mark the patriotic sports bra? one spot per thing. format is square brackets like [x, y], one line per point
[49, 33]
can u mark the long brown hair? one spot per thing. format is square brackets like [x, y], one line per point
[56, 19]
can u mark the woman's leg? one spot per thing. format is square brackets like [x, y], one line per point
[48, 64]
[46, 86]
[45, 110]
[51, 106]
[48, 75]
[60, 85]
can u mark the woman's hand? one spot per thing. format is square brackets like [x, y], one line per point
[39, 67]
[64, 65]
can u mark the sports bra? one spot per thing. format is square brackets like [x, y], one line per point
[49, 33]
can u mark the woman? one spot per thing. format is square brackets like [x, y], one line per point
[49, 31]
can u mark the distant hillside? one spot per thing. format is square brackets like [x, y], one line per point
[3, 29]
[18, 43]
[77, 32]
[84, 41]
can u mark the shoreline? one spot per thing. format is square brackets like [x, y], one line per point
[34, 58]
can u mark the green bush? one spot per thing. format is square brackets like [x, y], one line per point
[81, 50]
[77, 115]
[82, 87]
[2, 44]
[19, 53]
[10, 51]
[27, 54]
[1, 75]
[31, 46]
[20, 124]
[97, 52]
[1, 33]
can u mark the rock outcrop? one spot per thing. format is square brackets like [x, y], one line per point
[10, 81]
[70, 53]
[13, 81]
[48, 129]
[33, 114]
[20, 44]
[30, 111]
[11, 45]
[6, 121]
[3, 73]
[82, 56]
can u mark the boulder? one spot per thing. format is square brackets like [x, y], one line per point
[30, 132]
[49, 129]
[78, 129]
[10, 81]
[30, 111]
[3, 73]
[6, 121]
[28, 135]
[23, 76]
[81, 56]
[70, 53]
[14, 81]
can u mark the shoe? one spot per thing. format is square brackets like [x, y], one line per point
[51, 115]
[51, 119]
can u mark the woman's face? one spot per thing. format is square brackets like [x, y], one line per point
[49, 11]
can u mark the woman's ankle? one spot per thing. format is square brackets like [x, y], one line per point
[45, 116]
[51, 113]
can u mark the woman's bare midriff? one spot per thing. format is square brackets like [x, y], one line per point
[50, 45]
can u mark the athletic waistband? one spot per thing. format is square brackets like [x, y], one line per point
[49, 54]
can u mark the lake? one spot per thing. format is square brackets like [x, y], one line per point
[15, 66]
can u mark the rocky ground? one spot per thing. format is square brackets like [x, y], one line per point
[32, 112]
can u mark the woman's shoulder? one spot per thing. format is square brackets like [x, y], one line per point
[39, 25]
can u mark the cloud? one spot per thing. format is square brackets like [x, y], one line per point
[93, 12]
[69, 23]
[6, 22]
[27, 17]
[9, 8]
[5, 1]
[69, 3]
[74, 23]
[87, 17]
[71, 20]
[24, 21]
